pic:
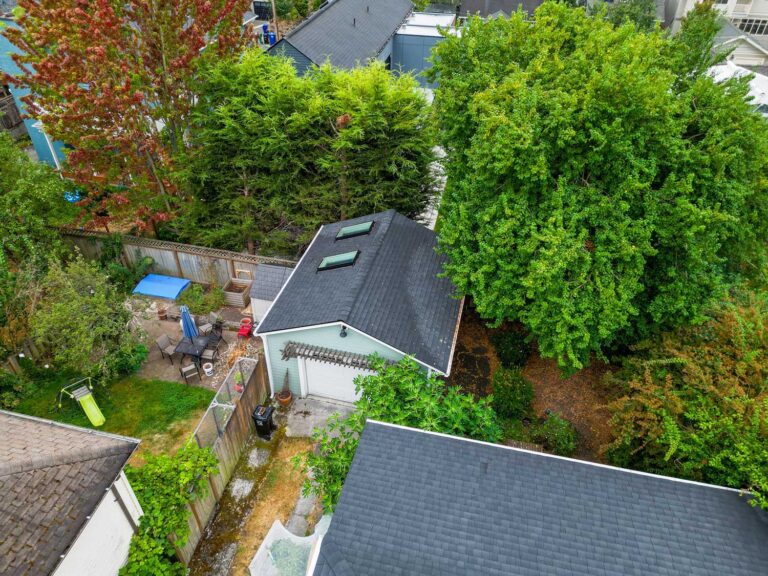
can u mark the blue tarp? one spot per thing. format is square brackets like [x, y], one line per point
[161, 286]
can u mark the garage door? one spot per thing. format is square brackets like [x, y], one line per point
[332, 380]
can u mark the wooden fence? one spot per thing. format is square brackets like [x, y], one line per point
[29, 349]
[225, 428]
[196, 263]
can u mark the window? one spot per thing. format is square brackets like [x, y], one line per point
[355, 230]
[338, 260]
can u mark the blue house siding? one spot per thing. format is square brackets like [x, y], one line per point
[285, 48]
[8, 66]
[412, 53]
[326, 336]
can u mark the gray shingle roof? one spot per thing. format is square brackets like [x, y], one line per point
[487, 8]
[268, 280]
[349, 32]
[52, 477]
[419, 503]
[392, 292]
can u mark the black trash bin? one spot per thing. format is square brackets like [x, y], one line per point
[262, 417]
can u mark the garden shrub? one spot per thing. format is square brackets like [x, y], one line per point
[694, 402]
[164, 486]
[129, 361]
[511, 348]
[556, 434]
[401, 394]
[200, 301]
[512, 394]
[124, 278]
[13, 388]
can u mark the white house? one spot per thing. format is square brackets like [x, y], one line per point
[371, 285]
[758, 85]
[67, 508]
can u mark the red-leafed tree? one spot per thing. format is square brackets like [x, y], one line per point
[114, 80]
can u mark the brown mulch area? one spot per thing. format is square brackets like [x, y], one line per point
[578, 398]
[474, 360]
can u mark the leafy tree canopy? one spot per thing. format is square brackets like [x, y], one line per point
[82, 321]
[695, 402]
[600, 185]
[113, 79]
[401, 394]
[31, 202]
[641, 13]
[274, 154]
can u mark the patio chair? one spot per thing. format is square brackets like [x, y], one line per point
[189, 371]
[209, 355]
[167, 346]
[210, 324]
[215, 341]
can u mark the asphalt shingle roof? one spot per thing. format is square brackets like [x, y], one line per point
[268, 280]
[416, 503]
[52, 477]
[392, 292]
[349, 32]
[485, 8]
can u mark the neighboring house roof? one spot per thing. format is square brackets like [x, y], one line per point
[758, 85]
[348, 32]
[730, 34]
[268, 281]
[416, 502]
[6, 6]
[52, 477]
[393, 291]
[495, 8]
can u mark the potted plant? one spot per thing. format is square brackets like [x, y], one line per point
[162, 313]
[239, 382]
[285, 396]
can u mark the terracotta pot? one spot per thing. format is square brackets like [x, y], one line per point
[162, 314]
[284, 398]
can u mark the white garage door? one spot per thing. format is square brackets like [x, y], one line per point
[332, 380]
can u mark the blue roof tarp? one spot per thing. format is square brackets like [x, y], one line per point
[161, 286]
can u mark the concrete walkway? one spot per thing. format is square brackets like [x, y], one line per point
[306, 414]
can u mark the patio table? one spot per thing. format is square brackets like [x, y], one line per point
[193, 347]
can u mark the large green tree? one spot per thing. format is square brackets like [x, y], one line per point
[274, 154]
[600, 185]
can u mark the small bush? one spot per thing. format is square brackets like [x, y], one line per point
[12, 389]
[511, 348]
[201, 302]
[512, 394]
[129, 361]
[557, 435]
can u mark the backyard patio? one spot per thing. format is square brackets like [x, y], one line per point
[159, 366]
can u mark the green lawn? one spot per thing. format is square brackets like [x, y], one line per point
[162, 414]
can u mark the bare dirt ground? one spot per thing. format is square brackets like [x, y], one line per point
[577, 398]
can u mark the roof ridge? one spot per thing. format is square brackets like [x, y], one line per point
[78, 456]
[556, 457]
[376, 245]
[80, 429]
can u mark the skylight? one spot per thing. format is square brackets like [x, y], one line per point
[355, 230]
[339, 260]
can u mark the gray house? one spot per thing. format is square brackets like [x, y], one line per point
[364, 286]
[417, 502]
[345, 32]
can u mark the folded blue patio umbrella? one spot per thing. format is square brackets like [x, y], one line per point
[187, 323]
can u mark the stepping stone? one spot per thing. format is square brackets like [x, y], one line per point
[258, 457]
[223, 561]
[304, 505]
[241, 488]
[297, 525]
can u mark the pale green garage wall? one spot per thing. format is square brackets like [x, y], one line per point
[328, 337]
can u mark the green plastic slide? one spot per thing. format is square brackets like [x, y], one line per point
[91, 409]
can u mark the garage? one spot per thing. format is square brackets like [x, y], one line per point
[332, 381]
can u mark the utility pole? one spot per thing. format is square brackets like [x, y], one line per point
[274, 19]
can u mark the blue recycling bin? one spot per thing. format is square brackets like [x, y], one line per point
[272, 38]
